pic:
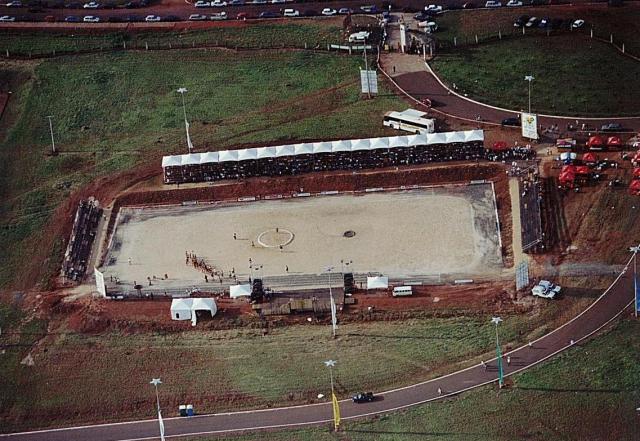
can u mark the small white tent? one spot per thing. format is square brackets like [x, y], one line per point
[240, 291]
[381, 282]
[181, 309]
[204, 304]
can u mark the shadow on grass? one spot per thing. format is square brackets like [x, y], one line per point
[409, 433]
[416, 337]
[552, 389]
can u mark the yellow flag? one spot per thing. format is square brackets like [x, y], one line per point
[336, 411]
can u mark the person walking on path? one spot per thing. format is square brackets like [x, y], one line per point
[439, 391]
[484, 365]
[508, 360]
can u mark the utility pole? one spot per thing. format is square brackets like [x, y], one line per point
[529, 78]
[53, 142]
[366, 69]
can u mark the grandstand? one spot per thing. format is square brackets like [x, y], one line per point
[300, 158]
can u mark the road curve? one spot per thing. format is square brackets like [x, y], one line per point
[614, 300]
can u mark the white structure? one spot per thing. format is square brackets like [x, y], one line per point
[185, 309]
[380, 282]
[240, 291]
[412, 120]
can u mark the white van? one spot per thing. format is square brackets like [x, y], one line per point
[358, 37]
[400, 291]
[291, 13]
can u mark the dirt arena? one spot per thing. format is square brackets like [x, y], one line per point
[401, 234]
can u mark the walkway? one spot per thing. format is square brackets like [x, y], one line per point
[605, 309]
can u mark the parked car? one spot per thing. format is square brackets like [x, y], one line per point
[533, 22]
[493, 4]
[268, 14]
[259, 2]
[91, 5]
[611, 127]
[329, 12]
[345, 11]
[422, 16]
[197, 17]
[434, 9]
[521, 21]
[218, 3]
[277, 1]
[219, 16]
[236, 3]
[429, 26]
[133, 18]
[546, 290]
[577, 24]
[202, 4]
[363, 397]
[152, 18]
[369, 9]
[7, 18]
[15, 4]
[72, 19]
[242, 16]
[358, 36]
[512, 121]
[514, 3]
[291, 13]
[132, 5]
[469, 5]
[91, 19]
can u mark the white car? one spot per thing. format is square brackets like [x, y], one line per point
[277, 1]
[7, 18]
[15, 4]
[329, 11]
[91, 5]
[493, 4]
[91, 19]
[291, 13]
[513, 3]
[220, 16]
[218, 3]
[429, 26]
[152, 18]
[577, 24]
[197, 17]
[436, 9]
[358, 36]
[202, 4]
[546, 289]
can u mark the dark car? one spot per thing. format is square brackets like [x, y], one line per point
[269, 14]
[310, 13]
[422, 16]
[611, 127]
[72, 19]
[115, 19]
[469, 5]
[513, 121]
[363, 397]
[369, 9]
[171, 18]
[521, 21]
[132, 5]
[73, 5]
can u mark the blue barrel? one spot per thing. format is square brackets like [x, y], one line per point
[190, 410]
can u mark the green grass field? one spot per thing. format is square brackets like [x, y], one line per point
[268, 35]
[113, 111]
[589, 393]
[240, 368]
[572, 75]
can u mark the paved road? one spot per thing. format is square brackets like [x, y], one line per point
[605, 309]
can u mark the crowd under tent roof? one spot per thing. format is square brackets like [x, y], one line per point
[240, 291]
[351, 145]
[379, 282]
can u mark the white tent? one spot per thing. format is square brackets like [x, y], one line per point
[381, 282]
[208, 157]
[285, 150]
[341, 146]
[360, 144]
[204, 304]
[240, 291]
[246, 154]
[191, 159]
[228, 155]
[171, 161]
[379, 143]
[181, 309]
[303, 148]
[266, 152]
[322, 147]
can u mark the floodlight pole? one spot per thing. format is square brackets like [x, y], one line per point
[529, 78]
[496, 321]
[366, 68]
[156, 382]
[635, 281]
[336, 407]
[53, 142]
[182, 91]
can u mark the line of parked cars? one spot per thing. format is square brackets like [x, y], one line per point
[37, 6]
[547, 23]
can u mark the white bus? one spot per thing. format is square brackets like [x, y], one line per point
[410, 120]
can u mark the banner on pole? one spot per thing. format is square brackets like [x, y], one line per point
[161, 424]
[186, 123]
[334, 316]
[100, 286]
[529, 125]
[336, 411]
[369, 81]
[637, 293]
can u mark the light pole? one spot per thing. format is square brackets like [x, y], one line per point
[53, 142]
[529, 78]
[636, 296]
[334, 401]
[156, 382]
[334, 318]
[182, 91]
[496, 321]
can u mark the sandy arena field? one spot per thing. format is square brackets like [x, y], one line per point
[442, 230]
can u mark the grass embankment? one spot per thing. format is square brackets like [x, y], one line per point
[589, 393]
[572, 75]
[268, 35]
[114, 111]
[487, 23]
[238, 368]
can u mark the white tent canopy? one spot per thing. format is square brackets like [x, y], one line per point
[204, 304]
[379, 282]
[323, 147]
[181, 309]
[240, 291]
